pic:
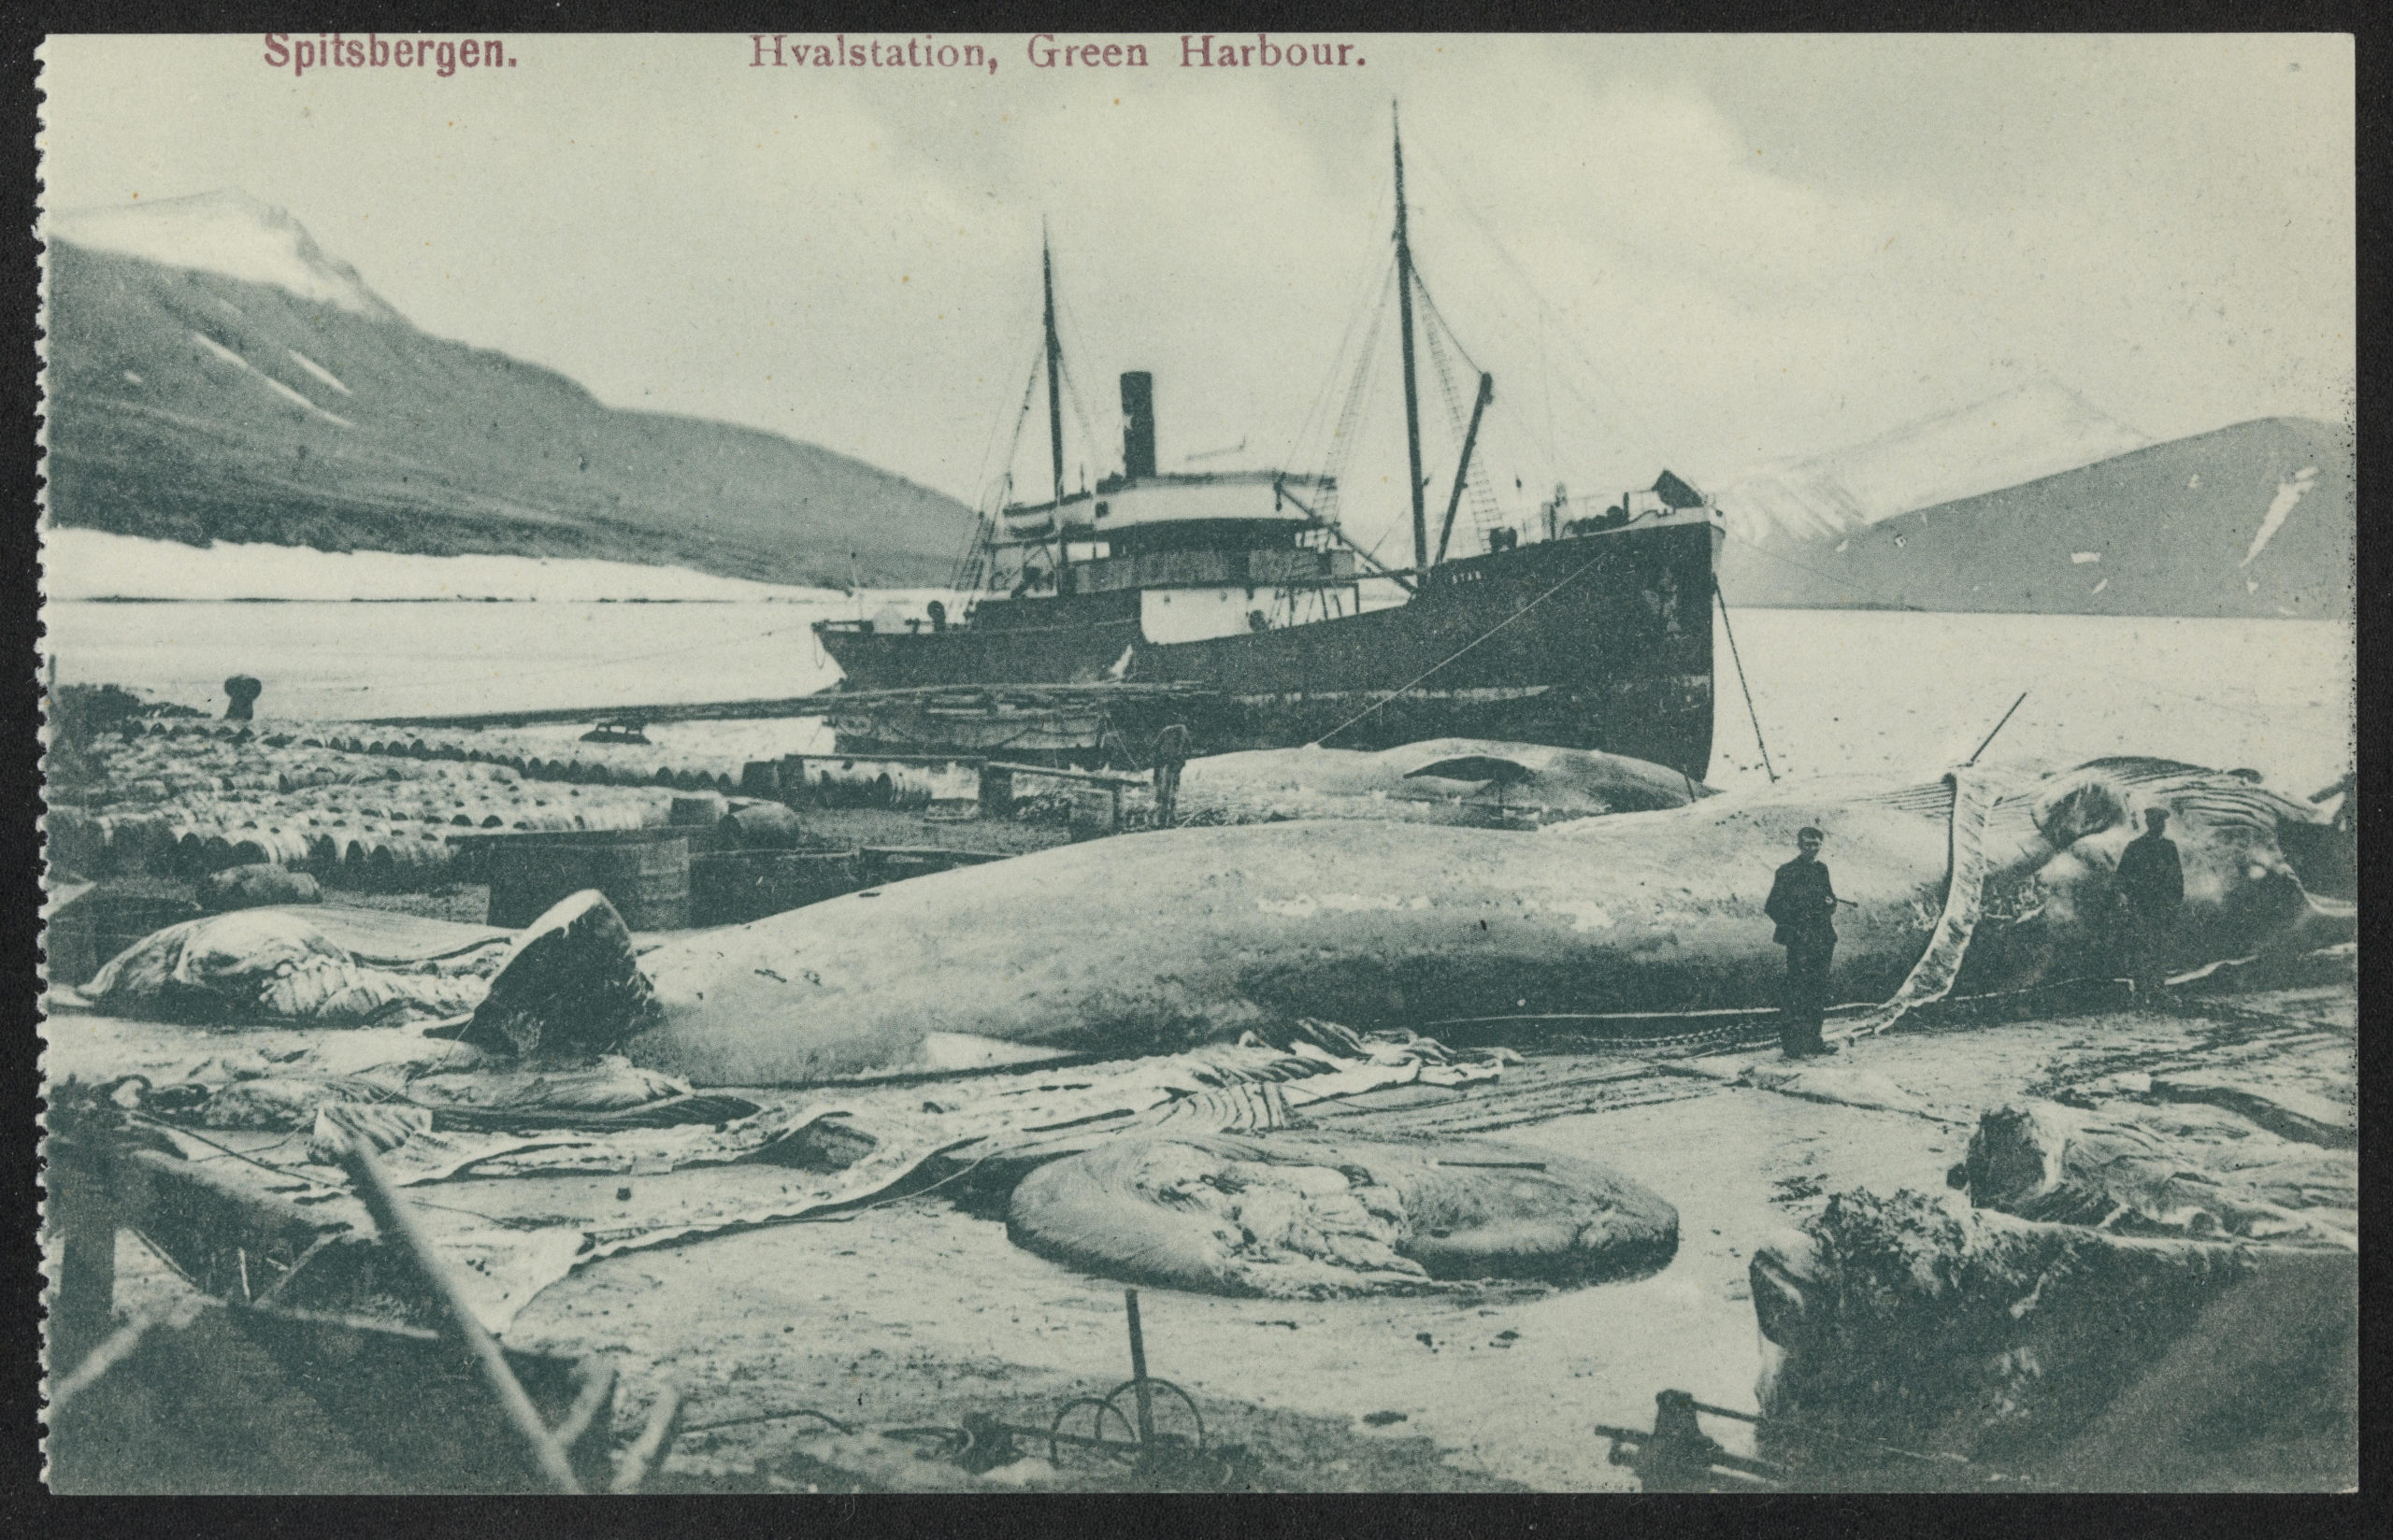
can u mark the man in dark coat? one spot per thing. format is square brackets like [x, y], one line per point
[2149, 883]
[1802, 901]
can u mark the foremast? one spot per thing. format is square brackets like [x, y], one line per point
[1411, 392]
[1054, 405]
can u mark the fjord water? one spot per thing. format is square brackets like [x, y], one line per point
[1835, 690]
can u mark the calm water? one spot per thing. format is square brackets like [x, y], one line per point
[1834, 689]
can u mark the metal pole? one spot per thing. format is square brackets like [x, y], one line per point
[1998, 727]
[393, 1216]
[1138, 1372]
[1409, 582]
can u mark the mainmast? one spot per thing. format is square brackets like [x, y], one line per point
[1055, 406]
[1412, 395]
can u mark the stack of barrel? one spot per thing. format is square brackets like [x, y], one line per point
[189, 802]
[545, 758]
[717, 861]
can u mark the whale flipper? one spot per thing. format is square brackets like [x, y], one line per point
[570, 985]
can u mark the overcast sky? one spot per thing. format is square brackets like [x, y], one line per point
[1691, 251]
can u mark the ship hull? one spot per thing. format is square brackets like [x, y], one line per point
[1600, 642]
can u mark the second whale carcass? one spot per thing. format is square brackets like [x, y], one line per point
[1475, 783]
[1150, 943]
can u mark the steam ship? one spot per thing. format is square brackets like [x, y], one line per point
[1234, 604]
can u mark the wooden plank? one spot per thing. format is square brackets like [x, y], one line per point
[819, 703]
[790, 705]
[1106, 778]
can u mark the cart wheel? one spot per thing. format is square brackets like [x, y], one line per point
[1177, 1419]
[1093, 1414]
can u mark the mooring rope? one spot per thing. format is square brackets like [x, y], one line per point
[1751, 714]
[1574, 577]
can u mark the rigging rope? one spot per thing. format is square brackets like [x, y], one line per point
[1484, 512]
[1361, 310]
[1066, 317]
[1080, 415]
[1443, 369]
[1342, 444]
[1454, 187]
[966, 576]
[1475, 487]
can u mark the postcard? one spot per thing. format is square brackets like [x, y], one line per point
[828, 762]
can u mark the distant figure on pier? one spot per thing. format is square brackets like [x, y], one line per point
[244, 692]
[1171, 753]
[2149, 883]
[1802, 900]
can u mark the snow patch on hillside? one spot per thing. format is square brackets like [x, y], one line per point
[81, 564]
[305, 405]
[228, 232]
[278, 387]
[317, 370]
[227, 354]
[2037, 429]
[2280, 509]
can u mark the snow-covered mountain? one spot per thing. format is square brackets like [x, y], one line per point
[2037, 429]
[2257, 520]
[227, 232]
[213, 375]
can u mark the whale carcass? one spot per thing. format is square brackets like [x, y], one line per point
[1467, 781]
[1150, 943]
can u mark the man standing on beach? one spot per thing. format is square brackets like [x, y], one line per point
[1802, 901]
[2150, 887]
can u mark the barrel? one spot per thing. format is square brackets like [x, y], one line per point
[698, 810]
[645, 873]
[1097, 811]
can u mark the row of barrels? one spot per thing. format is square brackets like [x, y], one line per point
[136, 782]
[330, 780]
[616, 764]
[378, 849]
[588, 764]
[422, 802]
[384, 859]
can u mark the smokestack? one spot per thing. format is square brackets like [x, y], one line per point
[1138, 425]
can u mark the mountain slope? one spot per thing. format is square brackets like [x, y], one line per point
[289, 405]
[228, 232]
[2257, 520]
[2037, 429]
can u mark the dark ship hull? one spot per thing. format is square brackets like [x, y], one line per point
[1602, 641]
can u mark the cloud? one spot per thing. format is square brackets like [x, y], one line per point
[1697, 252]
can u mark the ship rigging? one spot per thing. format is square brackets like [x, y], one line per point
[1236, 604]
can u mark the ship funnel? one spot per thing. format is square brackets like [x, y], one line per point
[1138, 425]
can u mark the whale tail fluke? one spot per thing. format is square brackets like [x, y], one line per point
[571, 986]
